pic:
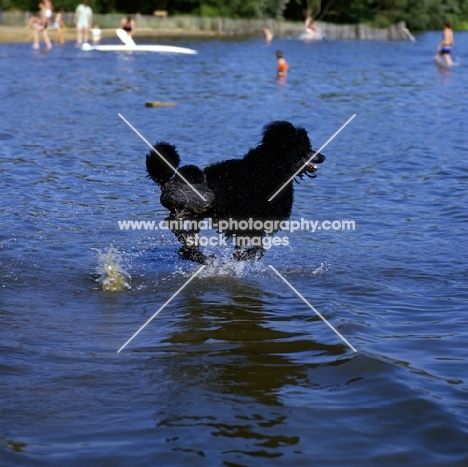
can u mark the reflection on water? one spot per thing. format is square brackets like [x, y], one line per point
[236, 369]
[242, 354]
[224, 347]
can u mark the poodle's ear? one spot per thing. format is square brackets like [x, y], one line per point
[302, 140]
[277, 133]
[285, 135]
[161, 162]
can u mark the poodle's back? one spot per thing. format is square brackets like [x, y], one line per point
[242, 191]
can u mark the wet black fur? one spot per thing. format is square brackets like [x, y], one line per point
[236, 188]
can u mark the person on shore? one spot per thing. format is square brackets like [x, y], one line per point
[36, 23]
[96, 34]
[128, 25]
[444, 49]
[282, 65]
[59, 25]
[83, 18]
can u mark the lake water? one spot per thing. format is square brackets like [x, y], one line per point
[236, 369]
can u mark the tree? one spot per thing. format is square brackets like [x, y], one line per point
[418, 14]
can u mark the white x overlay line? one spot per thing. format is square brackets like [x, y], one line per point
[318, 314]
[161, 156]
[152, 317]
[304, 165]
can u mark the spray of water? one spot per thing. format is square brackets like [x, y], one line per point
[111, 275]
[224, 265]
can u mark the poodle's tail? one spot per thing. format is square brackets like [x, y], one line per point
[162, 163]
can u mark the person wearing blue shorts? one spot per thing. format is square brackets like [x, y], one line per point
[444, 49]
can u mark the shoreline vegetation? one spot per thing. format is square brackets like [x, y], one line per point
[13, 28]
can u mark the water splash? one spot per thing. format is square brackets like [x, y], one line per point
[224, 265]
[322, 269]
[112, 276]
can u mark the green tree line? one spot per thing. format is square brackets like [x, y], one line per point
[418, 14]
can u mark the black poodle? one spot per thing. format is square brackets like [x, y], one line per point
[235, 190]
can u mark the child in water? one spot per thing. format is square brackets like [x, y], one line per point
[96, 34]
[60, 26]
[282, 64]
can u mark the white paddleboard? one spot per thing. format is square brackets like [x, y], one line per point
[124, 37]
[139, 48]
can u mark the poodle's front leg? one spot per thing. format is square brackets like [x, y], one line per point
[193, 253]
[190, 250]
[248, 254]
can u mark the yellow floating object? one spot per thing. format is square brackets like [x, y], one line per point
[160, 104]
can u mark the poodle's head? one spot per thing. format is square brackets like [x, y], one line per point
[290, 148]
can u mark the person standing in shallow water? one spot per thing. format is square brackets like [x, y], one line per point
[46, 12]
[96, 33]
[59, 25]
[83, 19]
[268, 35]
[444, 49]
[282, 65]
[36, 23]
[128, 25]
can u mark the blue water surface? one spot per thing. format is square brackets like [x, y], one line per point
[236, 369]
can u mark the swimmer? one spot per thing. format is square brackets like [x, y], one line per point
[282, 65]
[444, 49]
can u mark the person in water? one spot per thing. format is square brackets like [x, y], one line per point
[96, 34]
[128, 25]
[59, 25]
[310, 26]
[36, 23]
[83, 18]
[46, 8]
[268, 35]
[444, 49]
[282, 65]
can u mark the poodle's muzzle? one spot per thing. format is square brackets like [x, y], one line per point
[313, 158]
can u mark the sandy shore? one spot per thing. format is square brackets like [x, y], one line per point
[13, 34]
